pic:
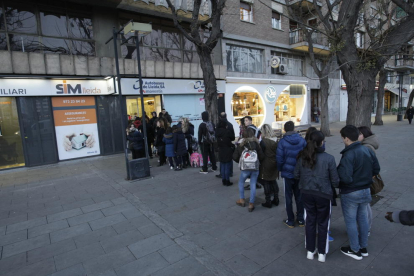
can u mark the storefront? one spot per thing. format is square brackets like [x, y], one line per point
[180, 98]
[267, 101]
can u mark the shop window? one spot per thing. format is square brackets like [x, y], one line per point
[290, 105]
[11, 149]
[293, 63]
[248, 104]
[246, 12]
[276, 20]
[242, 59]
[151, 104]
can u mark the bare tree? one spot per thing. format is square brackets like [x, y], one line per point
[204, 47]
[381, 93]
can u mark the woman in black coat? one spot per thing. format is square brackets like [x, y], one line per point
[180, 148]
[410, 113]
[188, 130]
[159, 144]
[137, 140]
[224, 138]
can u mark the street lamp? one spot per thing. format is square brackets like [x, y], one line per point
[138, 168]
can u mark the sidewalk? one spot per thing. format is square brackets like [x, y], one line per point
[82, 218]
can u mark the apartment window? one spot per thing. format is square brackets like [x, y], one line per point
[246, 12]
[243, 59]
[294, 63]
[359, 39]
[276, 20]
[390, 77]
[46, 29]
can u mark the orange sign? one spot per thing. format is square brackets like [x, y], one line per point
[70, 111]
[73, 101]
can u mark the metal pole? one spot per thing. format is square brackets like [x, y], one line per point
[144, 122]
[399, 116]
[123, 113]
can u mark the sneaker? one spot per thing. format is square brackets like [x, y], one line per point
[301, 223]
[178, 169]
[310, 255]
[247, 180]
[364, 252]
[289, 224]
[330, 239]
[348, 251]
[171, 167]
[203, 172]
[321, 257]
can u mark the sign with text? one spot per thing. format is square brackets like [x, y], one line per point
[76, 126]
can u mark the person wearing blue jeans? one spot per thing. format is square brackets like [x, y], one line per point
[357, 167]
[292, 189]
[253, 180]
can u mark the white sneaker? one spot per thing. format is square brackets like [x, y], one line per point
[171, 167]
[321, 257]
[247, 180]
[310, 255]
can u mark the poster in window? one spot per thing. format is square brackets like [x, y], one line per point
[76, 127]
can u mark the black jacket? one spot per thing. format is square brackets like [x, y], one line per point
[268, 168]
[179, 143]
[251, 144]
[319, 180]
[137, 139]
[159, 135]
[225, 146]
[410, 113]
[357, 167]
[230, 128]
[202, 129]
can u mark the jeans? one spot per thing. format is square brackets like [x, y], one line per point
[354, 208]
[231, 169]
[292, 189]
[253, 179]
[225, 170]
[208, 151]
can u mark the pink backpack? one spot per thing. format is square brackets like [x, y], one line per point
[196, 160]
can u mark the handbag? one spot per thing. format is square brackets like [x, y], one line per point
[377, 184]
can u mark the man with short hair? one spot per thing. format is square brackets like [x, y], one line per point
[357, 167]
[206, 130]
[287, 151]
[248, 122]
[165, 114]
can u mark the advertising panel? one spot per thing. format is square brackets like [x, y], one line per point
[76, 126]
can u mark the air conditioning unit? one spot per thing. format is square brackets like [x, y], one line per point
[282, 69]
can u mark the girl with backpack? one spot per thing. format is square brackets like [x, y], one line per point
[316, 171]
[248, 154]
[180, 148]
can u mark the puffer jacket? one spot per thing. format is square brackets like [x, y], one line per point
[268, 168]
[287, 151]
[357, 167]
[169, 145]
[371, 142]
[225, 146]
[319, 180]
[137, 139]
[179, 143]
[251, 144]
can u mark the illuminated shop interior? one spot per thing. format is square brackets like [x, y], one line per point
[151, 103]
[248, 104]
[290, 104]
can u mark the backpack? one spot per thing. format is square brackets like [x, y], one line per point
[210, 136]
[249, 160]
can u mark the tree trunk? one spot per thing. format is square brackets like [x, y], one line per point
[210, 94]
[324, 82]
[410, 102]
[381, 93]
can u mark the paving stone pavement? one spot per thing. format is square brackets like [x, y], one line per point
[82, 217]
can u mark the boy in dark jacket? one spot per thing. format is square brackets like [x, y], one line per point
[287, 151]
[225, 148]
[207, 147]
[357, 167]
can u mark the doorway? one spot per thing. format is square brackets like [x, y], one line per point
[314, 102]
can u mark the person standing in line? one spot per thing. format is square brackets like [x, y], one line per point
[188, 130]
[308, 132]
[169, 148]
[250, 143]
[135, 137]
[357, 167]
[242, 127]
[369, 140]
[164, 114]
[268, 167]
[248, 122]
[410, 114]
[159, 144]
[179, 148]
[225, 148]
[150, 134]
[206, 139]
[316, 172]
[153, 120]
[287, 151]
[223, 117]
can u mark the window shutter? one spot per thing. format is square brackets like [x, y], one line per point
[245, 6]
[276, 15]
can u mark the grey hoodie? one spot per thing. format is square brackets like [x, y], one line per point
[371, 142]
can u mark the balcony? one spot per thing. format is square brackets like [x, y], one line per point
[403, 62]
[305, 4]
[298, 41]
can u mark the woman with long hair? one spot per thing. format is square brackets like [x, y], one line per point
[316, 171]
[159, 144]
[369, 140]
[250, 143]
[268, 167]
[188, 130]
[309, 131]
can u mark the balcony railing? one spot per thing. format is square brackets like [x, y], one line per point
[298, 36]
[403, 61]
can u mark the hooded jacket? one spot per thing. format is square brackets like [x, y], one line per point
[287, 151]
[179, 143]
[268, 168]
[169, 145]
[137, 139]
[357, 167]
[371, 142]
[225, 146]
[320, 179]
[202, 129]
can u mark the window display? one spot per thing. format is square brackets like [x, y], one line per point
[248, 104]
[151, 103]
[289, 107]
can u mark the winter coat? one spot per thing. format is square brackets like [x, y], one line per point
[179, 143]
[225, 146]
[410, 113]
[150, 132]
[230, 128]
[357, 167]
[166, 116]
[202, 129]
[268, 168]
[137, 140]
[169, 145]
[159, 136]
[319, 180]
[287, 151]
[371, 142]
[404, 217]
[251, 144]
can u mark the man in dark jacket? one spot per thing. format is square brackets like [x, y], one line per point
[164, 114]
[287, 151]
[207, 147]
[357, 167]
[248, 122]
[403, 217]
[410, 113]
[223, 117]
